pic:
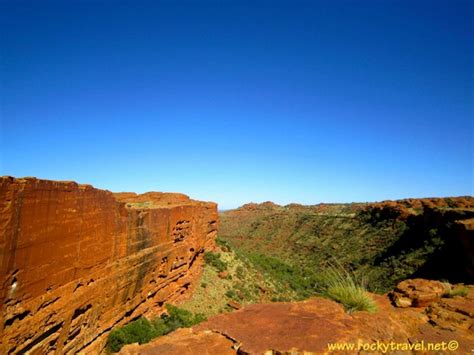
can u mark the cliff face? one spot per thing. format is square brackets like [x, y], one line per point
[76, 261]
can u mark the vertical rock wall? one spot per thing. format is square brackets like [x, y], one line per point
[76, 261]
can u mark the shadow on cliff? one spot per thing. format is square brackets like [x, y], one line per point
[433, 245]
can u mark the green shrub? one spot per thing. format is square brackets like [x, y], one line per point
[142, 330]
[279, 299]
[214, 259]
[223, 244]
[183, 317]
[231, 294]
[342, 286]
[240, 272]
[139, 331]
[450, 202]
[433, 232]
[117, 338]
[298, 280]
[243, 292]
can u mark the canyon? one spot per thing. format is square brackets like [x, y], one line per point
[390, 244]
[76, 261]
[386, 242]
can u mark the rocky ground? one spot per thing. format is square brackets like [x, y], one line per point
[306, 327]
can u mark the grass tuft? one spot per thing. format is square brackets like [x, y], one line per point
[457, 291]
[343, 286]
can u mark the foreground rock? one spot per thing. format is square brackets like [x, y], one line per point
[76, 261]
[307, 327]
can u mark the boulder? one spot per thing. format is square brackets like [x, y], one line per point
[418, 292]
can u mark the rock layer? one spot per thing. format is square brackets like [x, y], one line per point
[76, 261]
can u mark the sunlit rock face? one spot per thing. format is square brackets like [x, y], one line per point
[76, 261]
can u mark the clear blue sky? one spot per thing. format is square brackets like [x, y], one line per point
[233, 101]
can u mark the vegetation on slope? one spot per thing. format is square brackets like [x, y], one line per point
[231, 279]
[238, 277]
[385, 244]
[142, 330]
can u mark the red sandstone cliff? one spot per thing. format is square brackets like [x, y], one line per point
[76, 261]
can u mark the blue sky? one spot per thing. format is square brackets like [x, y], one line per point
[235, 101]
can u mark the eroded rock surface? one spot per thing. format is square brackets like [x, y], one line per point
[418, 292]
[307, 327]
[76, 261]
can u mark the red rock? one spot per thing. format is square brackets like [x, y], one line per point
[453, 313]
[406, 207]
[76, 261]
[307, 327]
[418, 292]
[223, 274]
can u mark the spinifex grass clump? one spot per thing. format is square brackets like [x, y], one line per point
[454, 291]
[344, 287]
[142, 330]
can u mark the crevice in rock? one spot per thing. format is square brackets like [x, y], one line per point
[80, 311]
[48, 303]
[73, 335]
[236, 345]
[9, 322]
[42, 337]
